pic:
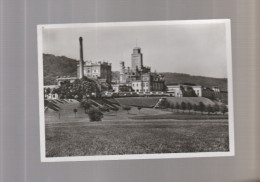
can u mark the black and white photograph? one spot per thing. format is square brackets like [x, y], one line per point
[135, 90]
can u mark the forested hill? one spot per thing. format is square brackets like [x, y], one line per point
[54, 66]
[175, 78]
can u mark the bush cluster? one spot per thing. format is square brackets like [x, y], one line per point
[216, 108]
[79, 89]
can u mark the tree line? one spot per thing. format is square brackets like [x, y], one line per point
[201, 107]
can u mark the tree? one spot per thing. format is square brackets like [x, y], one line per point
[216, 108]
[172, 106]
[195, 107]
[75, 111]
[127, 108]
[86, 104]
[177, 106]
[208, 109]
[48, 91]
[189, 106]
[201, 107]
[164, 103]
[79, 89]
[95, 114]
[183, 106]
[116, 109]
[188, 92]
[223, 109]
[139, 108]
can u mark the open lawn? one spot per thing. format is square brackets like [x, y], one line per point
[66, 113]
[147, 102]
[135, 137]
[192, 100]
[182, 116]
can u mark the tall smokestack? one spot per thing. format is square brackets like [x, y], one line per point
[81, 62]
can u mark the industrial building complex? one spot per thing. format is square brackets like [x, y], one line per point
[135, 80]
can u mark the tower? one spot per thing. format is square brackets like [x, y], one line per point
[137, 59]
[81, 61]
[122, 72]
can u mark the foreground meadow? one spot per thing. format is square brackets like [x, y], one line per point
[135, 137]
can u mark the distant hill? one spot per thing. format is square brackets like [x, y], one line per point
[54, 66]
[175, 78]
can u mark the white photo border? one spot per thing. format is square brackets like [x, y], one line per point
[231, 151]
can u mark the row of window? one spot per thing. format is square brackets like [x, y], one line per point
[144, 90]
[137, 85]
[94, 71]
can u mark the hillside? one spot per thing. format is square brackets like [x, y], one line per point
[174, 78]
[54, 66]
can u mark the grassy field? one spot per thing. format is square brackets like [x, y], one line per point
[135, 137]
[192, 100]
[67, 115]
[182, 116]
[144, 131]
[147, 102]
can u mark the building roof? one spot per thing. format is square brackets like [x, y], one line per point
[66, 78]
[137, 48]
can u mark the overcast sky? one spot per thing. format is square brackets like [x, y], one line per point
[196, 49]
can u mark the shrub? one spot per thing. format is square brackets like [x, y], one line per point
[172, 106]
[201, 107]
[177, 106]
[189, 106]
[86, 104]
[195, 107]
[183, 106]
[127, 108]
[139, 108]
[75, 111]
[163, 103]
[95, 114]
[209, 109]
[216, 108]
[223, 109]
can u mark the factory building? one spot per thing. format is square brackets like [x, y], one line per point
[101, 71]
[140, 77]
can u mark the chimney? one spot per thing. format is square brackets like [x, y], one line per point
[81, 62]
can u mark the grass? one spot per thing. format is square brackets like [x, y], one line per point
[146, 102]
[135, 137]
[192, 100]
[149, 102]
[182, 116]
[67, 114]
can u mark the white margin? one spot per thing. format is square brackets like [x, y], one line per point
[136, 156]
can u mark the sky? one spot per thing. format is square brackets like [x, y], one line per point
[196, 49]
